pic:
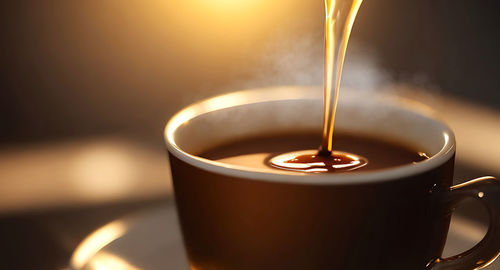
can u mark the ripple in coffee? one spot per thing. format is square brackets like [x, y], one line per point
[262, 153]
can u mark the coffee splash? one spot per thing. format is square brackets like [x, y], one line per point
[312, 162]
[339, 20]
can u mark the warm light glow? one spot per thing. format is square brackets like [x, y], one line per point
[425, 155]
[446, 138]
[479, 179]
[107, 261]
[227, 27]
[95, 242]
[233, 5]
[103, 170]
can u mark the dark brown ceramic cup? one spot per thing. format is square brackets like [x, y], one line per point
[236, 217]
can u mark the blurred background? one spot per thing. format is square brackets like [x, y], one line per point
[86, 88]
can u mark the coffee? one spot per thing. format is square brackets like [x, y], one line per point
[259, 152]
[339, 19]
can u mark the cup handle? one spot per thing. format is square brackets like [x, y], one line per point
[487, 191]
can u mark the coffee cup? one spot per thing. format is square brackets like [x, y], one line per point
[239, 217]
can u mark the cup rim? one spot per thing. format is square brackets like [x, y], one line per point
[252, 96]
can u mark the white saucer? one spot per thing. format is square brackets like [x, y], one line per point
[151, 240]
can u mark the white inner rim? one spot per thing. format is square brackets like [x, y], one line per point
[409, 120]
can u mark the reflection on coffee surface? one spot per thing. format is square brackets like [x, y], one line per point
[261, 153]
[312, 161]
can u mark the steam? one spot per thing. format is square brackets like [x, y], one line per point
[300, 62]
[293, 62]
[362, 70]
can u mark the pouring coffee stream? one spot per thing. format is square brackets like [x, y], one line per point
[339, 20]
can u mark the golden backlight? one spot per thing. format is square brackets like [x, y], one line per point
[211, 27]
[96, 241]
[231, 5]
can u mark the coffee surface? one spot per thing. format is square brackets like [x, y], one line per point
[258, 152]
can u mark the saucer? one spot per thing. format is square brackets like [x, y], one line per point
[151, 240]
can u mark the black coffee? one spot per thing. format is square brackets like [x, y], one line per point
[375, 154]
